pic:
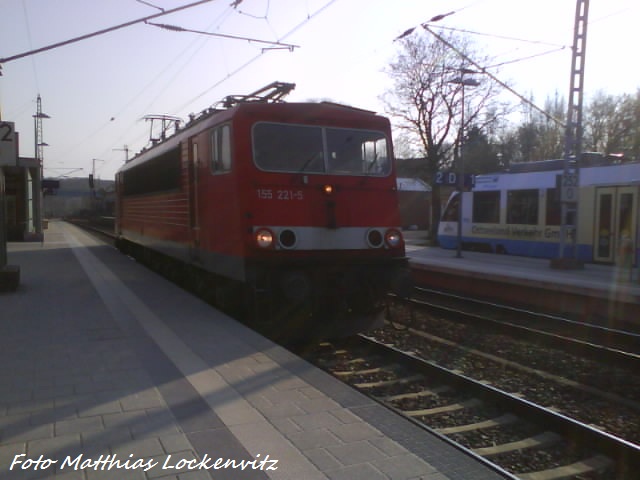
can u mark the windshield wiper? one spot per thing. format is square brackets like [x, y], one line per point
[310, 160]
[372, 164]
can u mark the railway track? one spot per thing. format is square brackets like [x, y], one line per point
[518, 437]
[494, 426]
[601, 388]
[616, 346]
[102, 226]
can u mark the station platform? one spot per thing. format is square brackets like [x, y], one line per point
[107, 370]
[594, 289]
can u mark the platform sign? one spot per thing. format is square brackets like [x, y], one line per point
[452, 178]
[8, 144]
[569, 187]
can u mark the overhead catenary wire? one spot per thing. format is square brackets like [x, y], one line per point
[522, 59]
[100, 32]
[494, 35]
[558, 47]
[308, 18]
[176, 28]
[30, 37]
[252, 59]
[483, 70]
[256, 57]
[170, 64]
[149, 4]
[263, 17]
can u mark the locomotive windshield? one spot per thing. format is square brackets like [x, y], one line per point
[340, 151]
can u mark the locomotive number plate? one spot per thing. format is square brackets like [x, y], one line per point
[279, 194]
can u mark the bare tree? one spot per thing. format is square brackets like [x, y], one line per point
[598, 119]
[551, 142]
[613, 124]
[539, 137]
[427, 97]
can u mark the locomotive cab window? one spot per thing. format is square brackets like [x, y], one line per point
[522, 207]
[357, 152]
[288, 148]
[310, 149]
[221, 149]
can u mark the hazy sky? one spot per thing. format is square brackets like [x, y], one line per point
[96, 91]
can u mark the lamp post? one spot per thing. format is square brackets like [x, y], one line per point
[463, 82]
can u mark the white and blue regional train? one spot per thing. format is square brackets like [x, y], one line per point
[519, 212]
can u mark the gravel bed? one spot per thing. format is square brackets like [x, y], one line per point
[618, 380]
[619, 420]
[410, 387]
[429, 401]
[371, 377]
[528, 460]
[460, 417]
[489, 437]
[533, 460]
[347, 366]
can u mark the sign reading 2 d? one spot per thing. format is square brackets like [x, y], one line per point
[8, 144]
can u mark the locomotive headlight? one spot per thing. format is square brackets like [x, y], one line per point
[327, 189]
[264, 238]
[393, 238]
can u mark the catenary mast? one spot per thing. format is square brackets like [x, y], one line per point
[570, 179]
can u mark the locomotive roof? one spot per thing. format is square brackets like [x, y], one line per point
[277, 112]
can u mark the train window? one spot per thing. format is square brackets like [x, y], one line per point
[522, 207]
[300, 148]
[486, 207]
[288, 148]
[553, 213]
[155, 175]
[357, 152]
[221, 149]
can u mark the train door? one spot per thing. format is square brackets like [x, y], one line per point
[615, 222]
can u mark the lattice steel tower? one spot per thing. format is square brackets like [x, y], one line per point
[39, 154]
[570, 179]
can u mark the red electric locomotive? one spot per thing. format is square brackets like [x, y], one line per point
[290, 208]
